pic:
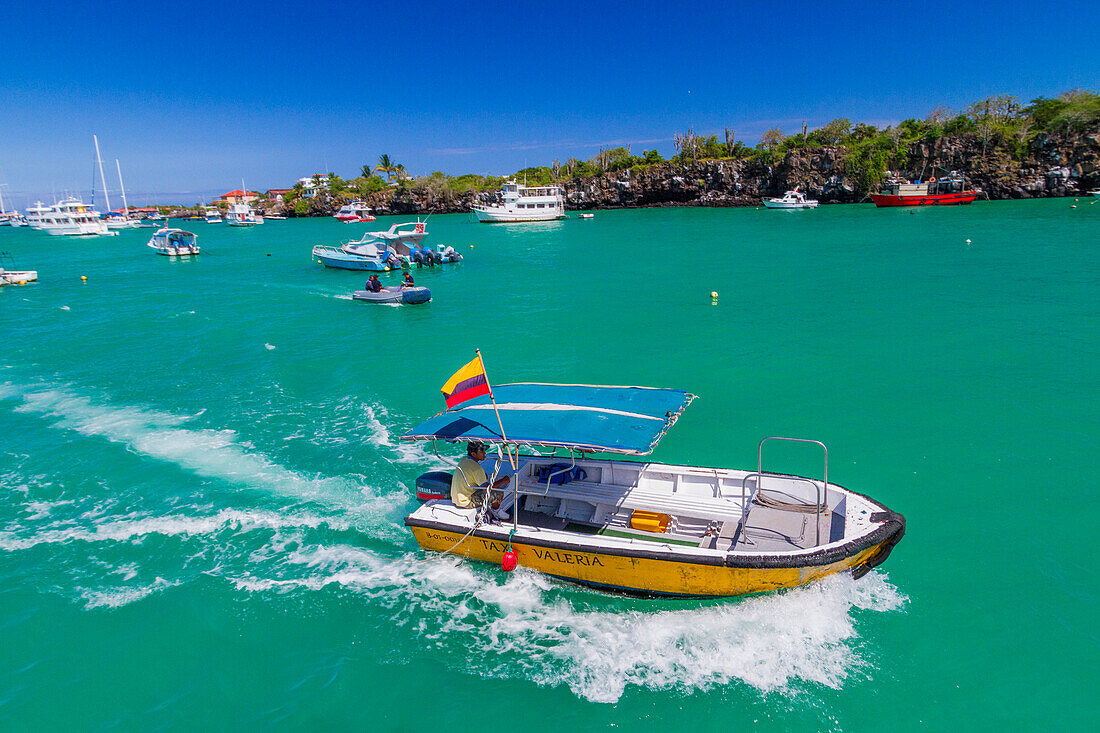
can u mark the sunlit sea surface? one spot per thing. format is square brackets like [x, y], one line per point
[204, 487]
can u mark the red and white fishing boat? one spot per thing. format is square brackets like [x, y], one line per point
[353, 212]
[947, 191]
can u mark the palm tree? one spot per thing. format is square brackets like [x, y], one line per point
[385, 165]
[365, 171]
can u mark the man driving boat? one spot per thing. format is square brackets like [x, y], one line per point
[469, 483]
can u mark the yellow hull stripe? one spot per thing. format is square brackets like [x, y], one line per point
[636, 573]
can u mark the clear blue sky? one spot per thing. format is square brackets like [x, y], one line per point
[193, 97]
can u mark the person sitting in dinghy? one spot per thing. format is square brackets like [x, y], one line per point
[374, 285]
[408, 282]
[469, 483]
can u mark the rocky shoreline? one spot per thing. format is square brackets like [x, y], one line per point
[1052, 166]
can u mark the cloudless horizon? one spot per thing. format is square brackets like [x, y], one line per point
[194, 98]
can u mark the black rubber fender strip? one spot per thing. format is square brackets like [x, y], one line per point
[896, 524]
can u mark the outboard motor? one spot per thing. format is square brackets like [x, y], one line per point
[429, 258]
[433, 485]
[418, 257]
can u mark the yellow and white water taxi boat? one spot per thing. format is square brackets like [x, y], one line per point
[632, 526]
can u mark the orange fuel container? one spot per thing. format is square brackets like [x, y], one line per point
[649, 521]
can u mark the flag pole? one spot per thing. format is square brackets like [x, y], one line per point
[493, 400]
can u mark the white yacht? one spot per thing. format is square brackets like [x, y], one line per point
[356, 211]
[211, 215]
[241, 215]
[791, 200]
[70, 217]
[523, 203]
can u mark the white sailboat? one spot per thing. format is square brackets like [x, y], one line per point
[126, 221]
[10, 218]
[113, 222]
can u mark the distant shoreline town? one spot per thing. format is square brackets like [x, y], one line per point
[1006, 150]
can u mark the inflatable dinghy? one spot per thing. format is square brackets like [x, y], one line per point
[394, 294]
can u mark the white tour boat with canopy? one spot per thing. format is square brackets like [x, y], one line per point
[629, 525]
[174, 242]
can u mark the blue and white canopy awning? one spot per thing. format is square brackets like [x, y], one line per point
[628, 420]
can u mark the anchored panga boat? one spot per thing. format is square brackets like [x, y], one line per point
[633, 526]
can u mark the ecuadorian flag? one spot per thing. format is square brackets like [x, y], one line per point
[467, 383]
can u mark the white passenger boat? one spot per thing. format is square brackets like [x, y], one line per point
[174, 242]
[71, 217]
[521, 203]
[241, 215]
[211, 215]
[791, 200]
[639, 527]
[355, 211]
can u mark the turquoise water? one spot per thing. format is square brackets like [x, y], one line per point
[204, 488]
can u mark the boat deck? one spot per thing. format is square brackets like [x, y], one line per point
[777, 521]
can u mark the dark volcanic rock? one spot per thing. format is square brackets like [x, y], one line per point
[1049, 165]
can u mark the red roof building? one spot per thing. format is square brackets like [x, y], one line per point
[239, 197]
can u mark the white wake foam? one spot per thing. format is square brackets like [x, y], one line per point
[210, 453]
[122, 595]
[136, 526]
[776, 642]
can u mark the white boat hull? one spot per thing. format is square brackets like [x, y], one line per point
[18, 277]
[491, 215]
[83, 229]
[773, 204]
[123, 224]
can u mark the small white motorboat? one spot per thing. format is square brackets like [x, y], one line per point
[174, 242]
[586, 216]
[15, 277]
[791, 200]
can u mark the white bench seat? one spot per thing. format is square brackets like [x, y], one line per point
[721, 509]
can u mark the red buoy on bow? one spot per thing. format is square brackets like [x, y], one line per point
[508, 561]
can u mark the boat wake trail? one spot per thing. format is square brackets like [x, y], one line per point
[598, 645]
[210, 453]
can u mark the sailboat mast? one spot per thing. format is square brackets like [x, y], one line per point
[102, 180]
[125, 207]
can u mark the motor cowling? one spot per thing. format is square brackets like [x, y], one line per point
[433, 485]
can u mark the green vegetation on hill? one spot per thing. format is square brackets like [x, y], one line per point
[997, 123]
